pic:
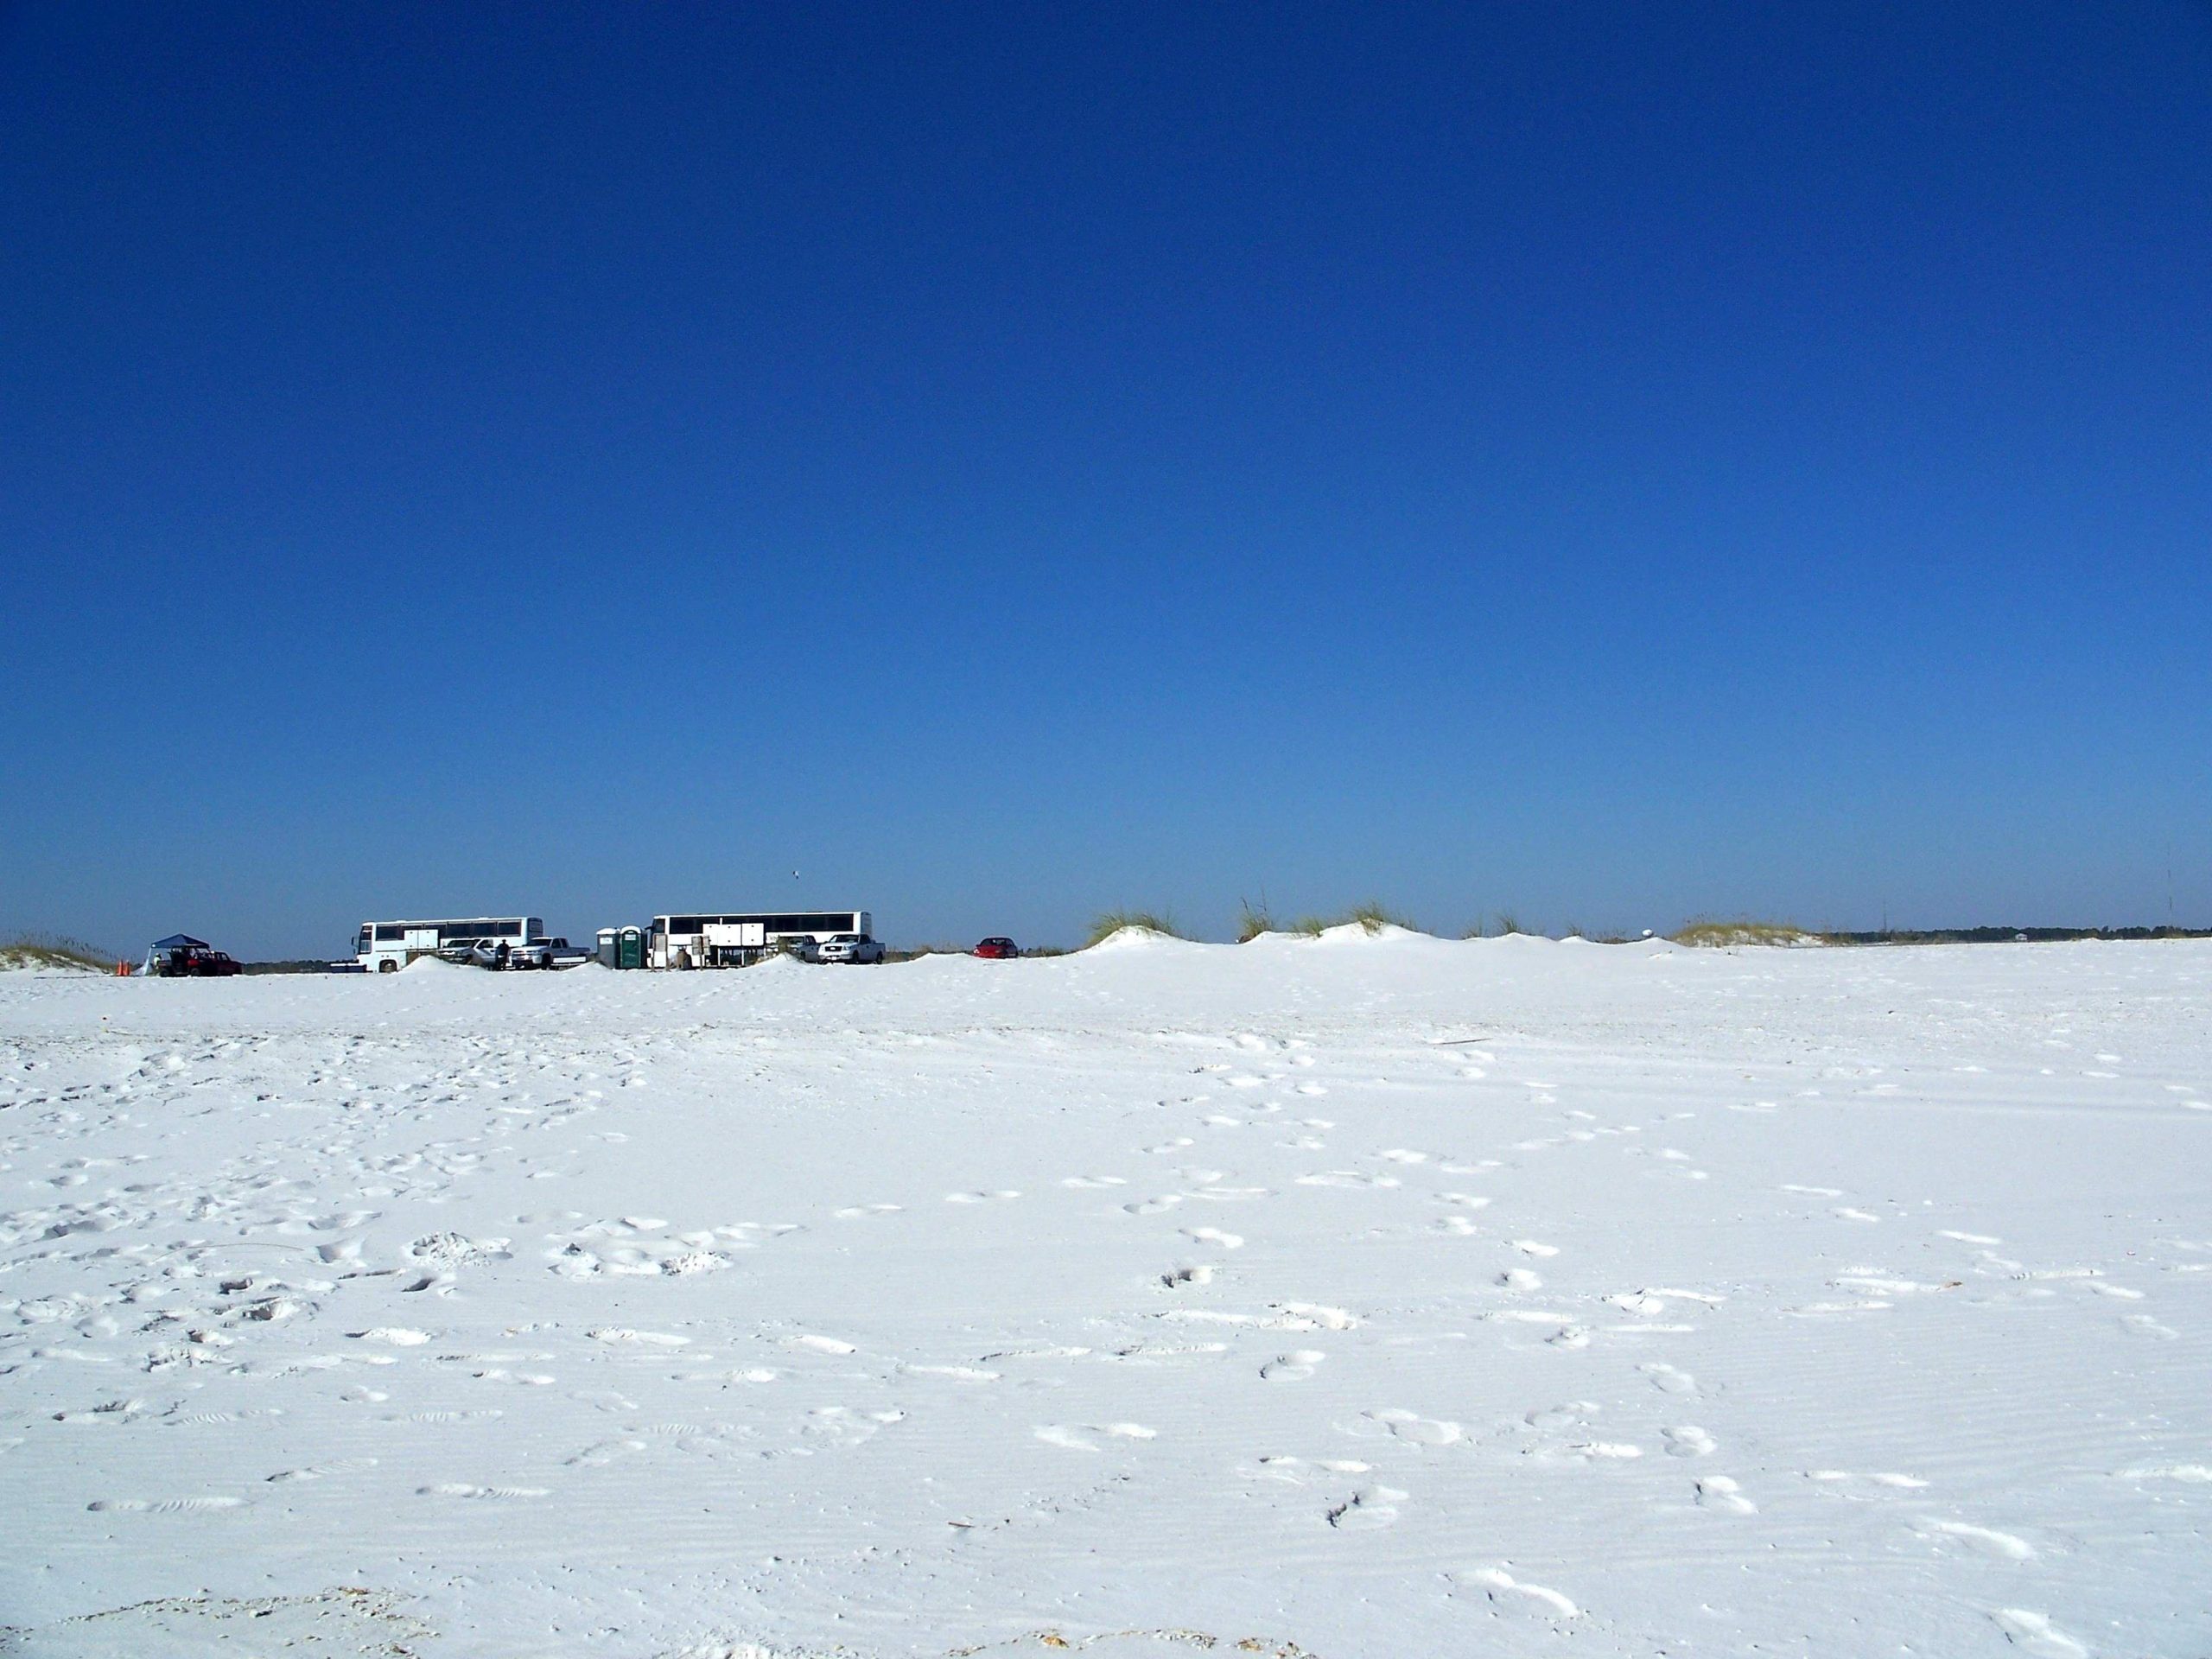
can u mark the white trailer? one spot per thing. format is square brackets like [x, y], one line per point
[381, 947]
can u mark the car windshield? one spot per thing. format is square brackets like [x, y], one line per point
[844, 939]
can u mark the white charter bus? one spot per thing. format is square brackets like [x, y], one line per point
[383, 947]
[733, 940]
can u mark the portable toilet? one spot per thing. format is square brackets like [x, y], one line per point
[630, 948]
[607, 935]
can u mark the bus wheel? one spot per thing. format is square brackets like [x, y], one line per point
[387, 966]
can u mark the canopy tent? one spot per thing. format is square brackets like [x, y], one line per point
[169, 952]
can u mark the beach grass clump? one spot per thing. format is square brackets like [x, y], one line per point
[1111, 922]
[1255, 921]
[1373, 916]
[1308, 927]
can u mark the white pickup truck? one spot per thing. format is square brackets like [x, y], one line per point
[848, 947]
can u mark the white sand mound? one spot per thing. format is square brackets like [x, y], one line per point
[1381, 934]
[1141, 939]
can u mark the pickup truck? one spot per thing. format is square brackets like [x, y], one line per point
[849, 947]
[527, 953]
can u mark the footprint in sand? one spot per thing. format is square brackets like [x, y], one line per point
[1369, 1509]
[1983, 1541]
[1085, 1437]
[2144, 1326]
[1687, 1442]
[1412, 1427]
[323, 1471]
[1509, 1594]
[1841, 1481]
[1669, 1379]
[2033, 1633]
[1301, 1471]
[164, 1505]
[1294, 1367]
[1719, 1492]
[2193, 1474]
[607, 1451]
[1215, 1237]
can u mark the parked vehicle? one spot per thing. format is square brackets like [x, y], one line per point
[181, 956]
[538, 952]
[998, 949]
[849, 947]
[200, 964]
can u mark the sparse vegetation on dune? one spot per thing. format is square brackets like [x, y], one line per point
[1707, 933]
[1150, 921]
[55, 950]
[1255, 921]
[1373, 916]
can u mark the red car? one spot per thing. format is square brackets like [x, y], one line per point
[998, 949]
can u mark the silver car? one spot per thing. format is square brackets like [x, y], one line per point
[849, 947]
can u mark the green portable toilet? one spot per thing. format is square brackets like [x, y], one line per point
[630, 948]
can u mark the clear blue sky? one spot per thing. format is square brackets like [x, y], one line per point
[1611, 462]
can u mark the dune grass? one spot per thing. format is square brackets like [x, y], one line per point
[1708, 933]
[1113, 921]
[1308, 927]
[1373, 916]
[57, 950]
[1255, 921]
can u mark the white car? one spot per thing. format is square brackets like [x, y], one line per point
[849, 947]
